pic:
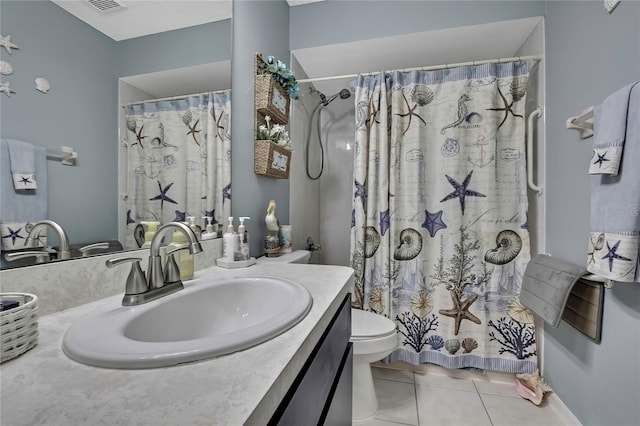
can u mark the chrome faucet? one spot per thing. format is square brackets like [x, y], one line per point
[34, 234]
[157, 284]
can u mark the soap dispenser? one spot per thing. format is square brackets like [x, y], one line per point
[243, 241]
[229, 239]
[184, 258]
[150, 228]
[209, 232]
[195, 228]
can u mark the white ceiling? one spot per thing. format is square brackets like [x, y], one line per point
[143, 17]
[447, 46]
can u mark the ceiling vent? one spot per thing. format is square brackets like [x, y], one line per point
[106, 5]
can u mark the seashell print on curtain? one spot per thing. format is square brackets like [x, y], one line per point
[179, 161]
[439, 235]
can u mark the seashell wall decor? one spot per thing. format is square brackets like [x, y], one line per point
[5, 68]
[6, 89]
[42, 84]
[5, 41]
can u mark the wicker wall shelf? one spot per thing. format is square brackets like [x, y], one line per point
[272, 99]
[271, 160]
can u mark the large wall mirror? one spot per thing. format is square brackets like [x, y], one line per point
[112, 73]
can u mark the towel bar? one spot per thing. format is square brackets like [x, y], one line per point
[583, 123]
[66, 155]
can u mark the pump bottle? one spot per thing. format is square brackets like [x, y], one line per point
[243, 241]
[209, 232]
[229, 239]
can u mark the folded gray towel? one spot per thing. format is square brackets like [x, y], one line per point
[546, 286]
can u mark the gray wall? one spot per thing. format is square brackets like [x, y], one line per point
[80, 111]
[258, 26]
[329, 22]
[590, 54]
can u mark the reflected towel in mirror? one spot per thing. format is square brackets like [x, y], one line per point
[18, 208]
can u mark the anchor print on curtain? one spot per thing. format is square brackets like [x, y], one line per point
[179, 161]
[439, 234]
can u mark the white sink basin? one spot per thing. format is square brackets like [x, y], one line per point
[207, 319]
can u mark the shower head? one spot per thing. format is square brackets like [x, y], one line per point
[343, 94]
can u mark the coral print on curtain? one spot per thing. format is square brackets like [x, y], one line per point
[439, 233]
[179, 161]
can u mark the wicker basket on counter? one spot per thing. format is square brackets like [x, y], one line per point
[271, 160]
[18, 326]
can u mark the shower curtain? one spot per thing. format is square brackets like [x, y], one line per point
[439, 232]
[179, 161]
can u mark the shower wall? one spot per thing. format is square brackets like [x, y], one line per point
[336, 183]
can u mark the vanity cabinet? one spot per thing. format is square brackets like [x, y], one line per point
[321, 393]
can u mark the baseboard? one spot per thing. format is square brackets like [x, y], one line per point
[563, 411]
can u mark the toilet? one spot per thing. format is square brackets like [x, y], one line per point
[373, 337]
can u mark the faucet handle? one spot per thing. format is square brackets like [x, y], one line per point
[171, 268]
[97, 246]
[136, 282]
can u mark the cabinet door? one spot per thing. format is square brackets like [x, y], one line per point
[339, 410]
[309, 397]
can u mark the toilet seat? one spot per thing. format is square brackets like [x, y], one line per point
[367, 325]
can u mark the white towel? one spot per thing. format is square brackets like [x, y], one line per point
[610, 131]
[23, 164]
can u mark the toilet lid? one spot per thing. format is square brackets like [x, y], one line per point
[366, 325]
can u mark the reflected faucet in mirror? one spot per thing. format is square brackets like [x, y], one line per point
[157, 283]
[44, 255]
[34, 235]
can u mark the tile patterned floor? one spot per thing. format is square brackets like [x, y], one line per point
[421, 399]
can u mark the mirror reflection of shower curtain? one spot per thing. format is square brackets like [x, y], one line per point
[439, 231]
[179, 161]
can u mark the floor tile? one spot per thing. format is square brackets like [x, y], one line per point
[444, 381]
[505, 411]
[443, 406]
[391, 374]
[396, 401]
[499, 389]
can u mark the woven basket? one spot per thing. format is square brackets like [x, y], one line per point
[271, 160]
[18, 326]
[272, 99]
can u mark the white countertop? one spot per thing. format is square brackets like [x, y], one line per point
[43, 386]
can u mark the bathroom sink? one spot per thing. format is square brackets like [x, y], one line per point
[207, 319]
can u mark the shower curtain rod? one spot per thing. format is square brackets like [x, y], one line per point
[430, 68]
[171, 98]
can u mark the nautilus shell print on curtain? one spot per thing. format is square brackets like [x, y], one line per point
[509, 245]
[410, 245]
[371, 241]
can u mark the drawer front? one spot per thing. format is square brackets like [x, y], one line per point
[306, 400]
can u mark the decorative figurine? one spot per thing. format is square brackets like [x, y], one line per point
[271, 240]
